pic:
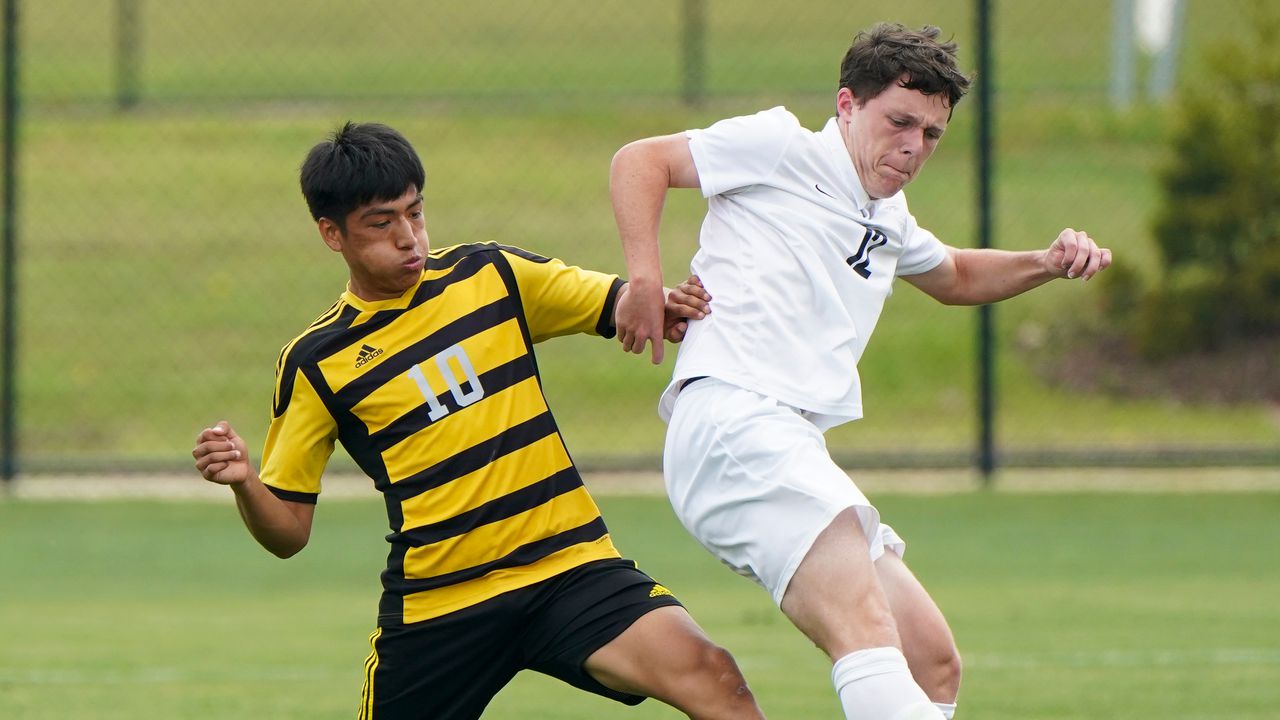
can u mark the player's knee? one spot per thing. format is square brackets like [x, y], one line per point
[953, 669]
[941, 676]
[717, 679]
[725, 669]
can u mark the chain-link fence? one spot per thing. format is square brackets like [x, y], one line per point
[164, 254]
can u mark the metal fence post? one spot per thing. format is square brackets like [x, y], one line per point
[8, 247]
[1164, 71]
[1121, 54]
[694, 51]
[127, 53]
[986, 452]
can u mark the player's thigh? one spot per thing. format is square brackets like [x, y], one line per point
[919, 618]
[445, 668]
[587, 619]
[927, 640]
[752, 480]
[664, 654]
[835, 596]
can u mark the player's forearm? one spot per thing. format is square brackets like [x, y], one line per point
[638, 185]
[987, 276]
[269, 519]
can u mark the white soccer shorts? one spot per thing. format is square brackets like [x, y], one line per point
[752, 480]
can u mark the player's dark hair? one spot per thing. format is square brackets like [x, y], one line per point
[882, 55]
[359, 164]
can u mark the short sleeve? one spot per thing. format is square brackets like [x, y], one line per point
[560, 299]
[741, 151]
[922, 251]
[300, 440]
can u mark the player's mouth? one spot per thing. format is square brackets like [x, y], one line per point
[415, 264]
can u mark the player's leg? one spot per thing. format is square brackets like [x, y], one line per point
[751, 478]
[835, 598]
[926, 639]
[666, 656]
[608, 628]
[415, 670]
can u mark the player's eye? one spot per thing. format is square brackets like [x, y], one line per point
[898, 122]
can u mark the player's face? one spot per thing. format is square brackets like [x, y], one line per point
[890, 136]
[385, 245]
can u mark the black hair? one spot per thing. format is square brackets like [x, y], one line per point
[358, 164]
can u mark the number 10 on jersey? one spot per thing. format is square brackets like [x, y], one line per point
[446, 361]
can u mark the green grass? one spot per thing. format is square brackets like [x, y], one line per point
[1065, 606]
[166, 254]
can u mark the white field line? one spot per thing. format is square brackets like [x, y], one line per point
[168, 675]
[1205, 657]
[192, 487]
[1084, 660]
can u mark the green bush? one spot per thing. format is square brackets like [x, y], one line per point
[1217, 229]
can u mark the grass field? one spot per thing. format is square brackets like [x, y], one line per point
[1065, 605]
[166, 255]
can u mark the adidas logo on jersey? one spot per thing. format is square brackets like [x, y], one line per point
[659, 590]
[367, 353]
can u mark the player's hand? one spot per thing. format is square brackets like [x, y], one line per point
[221, 456]
[1075, 255]
[638, 318]
[687, 301]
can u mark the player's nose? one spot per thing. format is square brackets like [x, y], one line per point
[913, 143]
[404, 235]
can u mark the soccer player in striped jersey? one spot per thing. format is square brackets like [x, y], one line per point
[424, 370]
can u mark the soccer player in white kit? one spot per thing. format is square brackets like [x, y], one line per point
[815, 222]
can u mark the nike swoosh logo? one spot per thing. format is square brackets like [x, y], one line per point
[824, 192]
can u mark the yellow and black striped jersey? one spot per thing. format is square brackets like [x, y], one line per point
[436, 396]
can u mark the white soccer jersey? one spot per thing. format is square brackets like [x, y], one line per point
[798, 261]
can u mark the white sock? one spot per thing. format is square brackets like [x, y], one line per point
[875, 684]
[948, 711]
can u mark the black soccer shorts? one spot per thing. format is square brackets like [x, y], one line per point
[450, 667]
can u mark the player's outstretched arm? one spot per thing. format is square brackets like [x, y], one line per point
[979, 276]
[280, 526]
[639, 177]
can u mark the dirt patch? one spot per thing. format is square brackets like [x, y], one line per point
[1245, 372]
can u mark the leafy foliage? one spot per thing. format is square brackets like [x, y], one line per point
[1218, 226]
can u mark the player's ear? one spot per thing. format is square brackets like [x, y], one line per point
[845, 102]
[330, 233]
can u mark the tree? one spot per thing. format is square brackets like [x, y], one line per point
[1217, 229]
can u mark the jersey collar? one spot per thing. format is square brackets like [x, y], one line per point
[848, 176]
[395, 303]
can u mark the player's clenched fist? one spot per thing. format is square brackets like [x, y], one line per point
[1075, 255]
[221, 456]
